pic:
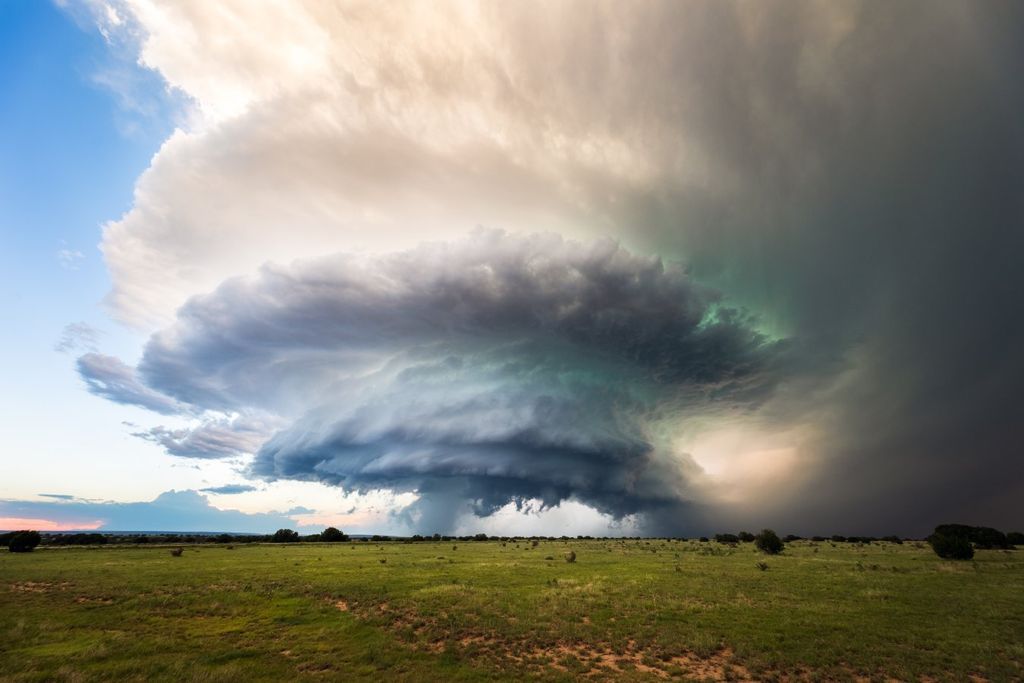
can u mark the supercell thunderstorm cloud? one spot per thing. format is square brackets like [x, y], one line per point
[494, 369]
[691, 263]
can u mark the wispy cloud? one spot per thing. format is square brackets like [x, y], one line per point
[230, 489]
[77, 338]
[112, 379]
[214, 438]
[69, 258]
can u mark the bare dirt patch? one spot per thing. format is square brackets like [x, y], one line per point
[87, 600]
[597, 661]
[39, 586]
[603, 662]
[594, 661]
[315, 668]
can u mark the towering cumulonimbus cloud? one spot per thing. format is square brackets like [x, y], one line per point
[493, 369]
[824, 166]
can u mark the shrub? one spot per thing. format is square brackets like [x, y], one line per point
[731, 539]
[571, 557]
[769, 542]
[176, 552]
[980, 536]
[951, 547]
[745, 536]
[789, 538]
[1015, 538]
[23, 541]
[762, 565]
[332, 535]
[284, 536]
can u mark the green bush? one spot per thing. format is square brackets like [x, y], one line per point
[769, 542]
[951, 547]
[24, 541]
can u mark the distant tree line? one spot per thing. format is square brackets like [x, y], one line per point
[952, 541]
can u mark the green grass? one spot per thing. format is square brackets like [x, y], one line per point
[629, 610]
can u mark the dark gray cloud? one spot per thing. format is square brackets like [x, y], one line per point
[230, 489]
[170, 511]
[878, 220]
[494, 369]
[112, 379]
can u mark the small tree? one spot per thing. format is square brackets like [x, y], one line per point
[284, 536]
[951, 547]
[24, 541]
[769, 542]
[332, 535]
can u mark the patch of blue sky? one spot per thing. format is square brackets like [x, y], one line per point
[78, 125]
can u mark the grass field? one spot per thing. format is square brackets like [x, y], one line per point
[625, 610]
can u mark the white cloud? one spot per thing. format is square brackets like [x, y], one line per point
[69, 258]
[323, 127]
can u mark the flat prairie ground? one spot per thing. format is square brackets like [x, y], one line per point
[624, 610]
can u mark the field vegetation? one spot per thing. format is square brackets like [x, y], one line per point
[622, 609]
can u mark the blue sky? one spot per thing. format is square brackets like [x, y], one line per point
[70, 155]
[66, 168]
